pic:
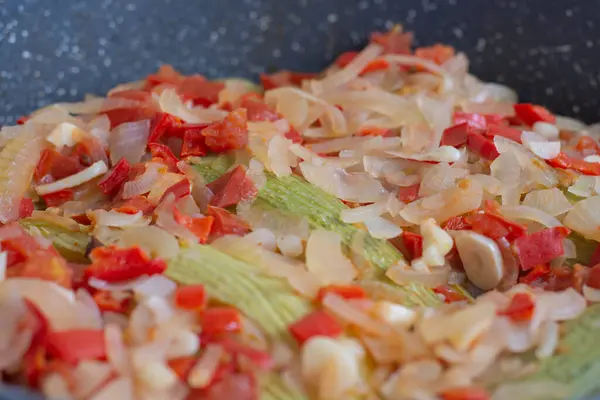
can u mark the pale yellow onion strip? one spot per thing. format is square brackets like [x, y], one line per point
[530, 214]
[93, 171]
[347, 312]
[420, 62]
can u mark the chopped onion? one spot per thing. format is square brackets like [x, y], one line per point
[540, 146]
[325, 260]
[144, 183]
[119, 388]
[591, 294]
[117, 219]
[547, 130]
[356, 187]
[156, 242]
[381, 228]
[551, 201]
[116, 287]
[93, 171]
[364, 213]
[440, 177]
[585, 186]
[561, 306]
[160, 186]
[584, 218]
[89, 375]
[116, 352]
[569, 124]
[171, 103]
[290, 245]
[438, 114]
[166, 220]
[128, 141]
[202, 373]
[280, 158]
[530, 214]
[548, 340]
[432, 277]
[65, 134]
[440, 154]
[278, 222]
[410, 60]
[155, 285]
[344, 310]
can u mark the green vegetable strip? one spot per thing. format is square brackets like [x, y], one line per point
[274, 388]
[267, 300]
[70, 244]
[411, 295]
[578, 362]
[212, 167]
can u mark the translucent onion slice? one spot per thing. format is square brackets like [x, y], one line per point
[539, 146]
[381, 228]
[171, 103]
[65, 134]
[144, 183]
[440, 154]
[585, 218]
[529, 213]
[166, 220]
[156, 242]
[17, 163]
[161, 185]
[117, 219]
[129, 141]
[346, 311]
[93, 171]
[440, 177]
[325, 260]
[551, 201]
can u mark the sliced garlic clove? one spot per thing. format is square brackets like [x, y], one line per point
[481, 259]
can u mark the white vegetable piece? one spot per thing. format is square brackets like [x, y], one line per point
[395, 314]
[547, 130]
[93, 171]
[65, 134]
[481, 259]
[436, 243]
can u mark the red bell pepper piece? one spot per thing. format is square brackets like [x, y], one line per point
[540, 247]
[200, 227]
[477, 122]
[135, 205]
[106, 302]
[45, 265]
[113, 264]
[199, 90]
[495, 227]
[595, 258]
[226, 223]
[53, 165]
[218, 320]
[450, 295]
[76, 345]
[260, 359]
[34, 360]
[194, 143]
[190, 297]
[456, 135]
[161, 123]
[588, 145]
[538, 274]
[57, 198]
[347, 292]
[22, 119]
[179, 190]
[26, 207]
[166, 74]
[394, 41]
[229, 134]
[317, 323]
[482, 146]
[529, 114]
[413, 243]
[593, 279]
[112, 181]
[563, 161]
[504, 131]
[345, 58]
[378, 64]
[163, 152]
[294, 135]
[457, 223]
[408, 194]
[228, 385]
[465, 393]
[520, 309]
[284, 78]
[438, 53]
[89, 150]
[182, 366]
[257, 110]
[231, 188]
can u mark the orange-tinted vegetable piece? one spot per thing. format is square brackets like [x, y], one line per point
[106, 302]
[160, 125]
[191, 297]
[394, 41]
[226, 223]
[504, 131]
[284, 78]
[259, 358]
[438, 53]
[317, 323]
[164, 153]
[73, 346]
[229, 134]
[144, 110]
[135, 205]
[179, 190]
[482, 146]
[112, 182]
[182, 366]
[34, 360]
[529, 114]
[476, 122]
[257, 110]
[456, 135]
[231, 188]
[53, 166]
[587, 144]
[413, 243]
[347, 292]
[219, 320]
[44, 265]
[200, 227]
[537, 275]
[593, 279]
[540, 247]
[199, 90]
[495, 226]
[565, 162]
[457, 223]
[450, 295]
[465, 393]
[408, 194]
[194, 143]
[113, 264]
[26, 207]
[57, 198]
[521, 308]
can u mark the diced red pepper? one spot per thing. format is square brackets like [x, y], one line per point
[521, 308]
[182, 366]
[456, 135]
[190, 297]
[21, 120]
[595, 258]
[226, 223]
[257, 110]
[112, 181]
[284, 78]
[317, 323]
[200, 227]
[233, 385]
[34, 360]
[593, 279]
[465, 393]
[374, 131]
[413, 243]
[163, 152]
[135, 205]
[504, 131]
[345, 58]
[229, 134]
[394, 41]
[73, 346]
[378, 64]
[114, 264]
[259, 358]
[199, 90]
[106, 302]
[294, 135]
[457, 223]
[408, 194]
[194, 143]
[53, 166]
[45, 265]
[57, 198]
[161, 123]
[482, 146]
[540, 247]
[26, 207]
[179, 190]
[438, 53]
[345, 291]
[538, 274]
[495, 227]
[450, 295]
[477, 122]
[529, 114]
[218, 320]
[231, 188]
[165, 74]
[89, 150]
[563, 161]
[587, 144]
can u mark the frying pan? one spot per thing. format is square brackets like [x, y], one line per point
[59, 50]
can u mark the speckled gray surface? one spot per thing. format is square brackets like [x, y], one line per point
[56, 50]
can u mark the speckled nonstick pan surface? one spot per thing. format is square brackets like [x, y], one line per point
[59, 50]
